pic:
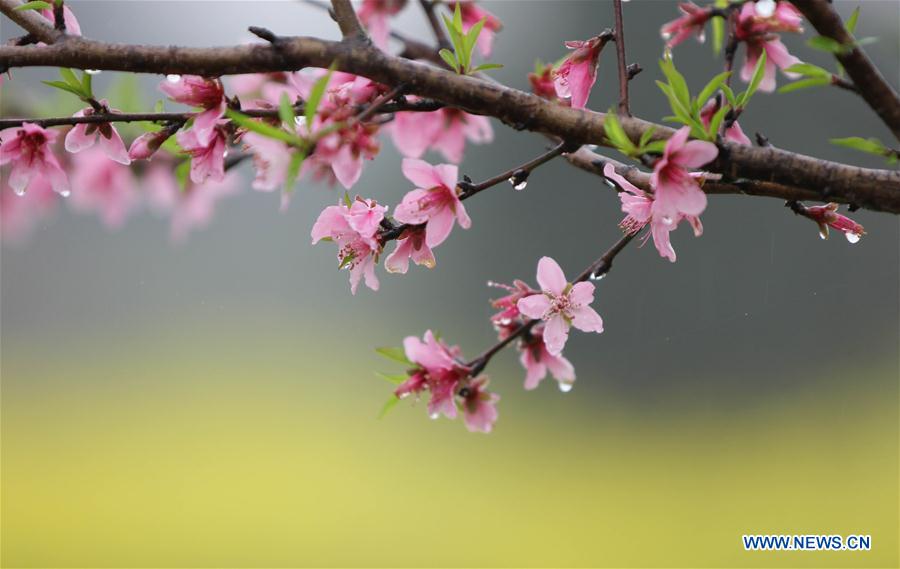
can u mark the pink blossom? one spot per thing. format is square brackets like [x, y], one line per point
[537, 361]
[207, 154]
[755, 25]
[271, 158]
[438, 371]
[472, 14]
[638, 207]
[507, 318]
[354, 229]
[560, 305]
[146, 145]
[346, 149]
[445, 130]
[677, 193]
[410, 245]
[543, 84]
[72, 26]
[103, 186]
[82, 136]
[479, 406]
[20, 214]
[190, 208]
[577, 74]
[28, 149]
[199, 92]
[826, 216]
[734, 133]
[692, 22]
[374, 14]
[435, 201]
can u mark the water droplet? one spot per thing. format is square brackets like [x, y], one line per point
[173, 78]
[598, 276]
[765, 8]
[434, 415]
[521, 185]
[300, 121]
[666, 36]
[852, 237]
[92, 71]
[65, 193]
[566, 387]
[823, 235]
[19, 191]
[667, 219]
[225, 153]
[403, 395]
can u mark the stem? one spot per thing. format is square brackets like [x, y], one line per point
[428, 6]
[598, 268]
[392, 232]
[620, 57]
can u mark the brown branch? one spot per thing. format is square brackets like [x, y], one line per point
[32, 22]
[869, 188]
[428, 6]
[595, 270]
[347, 20]
[620, 59]
[873, 87]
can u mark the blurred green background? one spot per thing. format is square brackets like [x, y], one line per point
[214, 403]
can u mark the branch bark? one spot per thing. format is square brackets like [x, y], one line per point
[872, 86]
[869, 188]
[31, 21]
[347, 20]
[620, 59]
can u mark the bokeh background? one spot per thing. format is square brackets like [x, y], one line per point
[214, 403]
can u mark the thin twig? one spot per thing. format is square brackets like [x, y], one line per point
[620, 58]
[347, 19]
[595, 270]
[35, 24]
[428, 6]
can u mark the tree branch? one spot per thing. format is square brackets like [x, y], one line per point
[31, 21]
[439, 34]
[620, 59]
[873, 189]
[872, 86]
[347, 20]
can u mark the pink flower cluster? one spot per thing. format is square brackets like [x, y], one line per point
[676, 192]
[556, 306]
[440, 372]
[757, 25]
[827, 216]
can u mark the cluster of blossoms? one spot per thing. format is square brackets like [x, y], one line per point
[756, 24]
[440, 371]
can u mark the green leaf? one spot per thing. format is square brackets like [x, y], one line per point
[347, 260]
[757, 78]
[286, 112]
[645, 138]
[87, 83]
[457, 18]
[159, 107]
[391, 403]
[315, 97]
[262, 128]
[676, 82]
[182, 171]
[804, 84]
[294, 170]
[709, 90]
[486, 66]
[718, 33]
[64, 86]
[616, 134]
[729, 95]
[850, 25]
[870, 145]
[655, 147]
[471, 38]
[715, 122]
[69, 77]
[456, 38]
[677, 107]
[449, 58]
[823, 43]
[395, 378]
[394, 354]
[347, 201]
[809, 70]
[35, 5]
